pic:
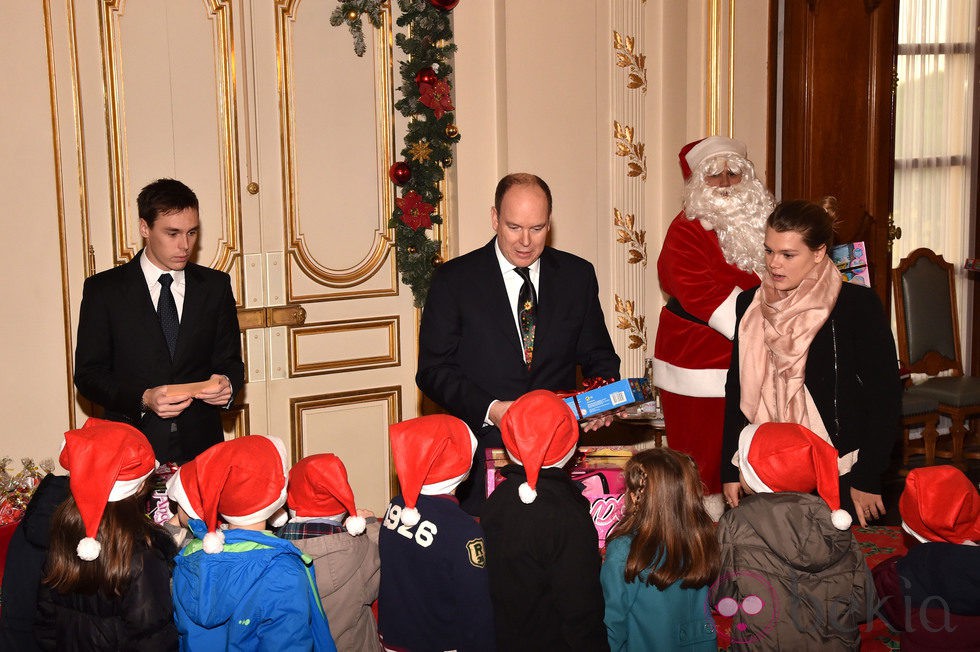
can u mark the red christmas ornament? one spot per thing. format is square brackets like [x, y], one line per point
[445, 5]
[399, 173]
[426, 76]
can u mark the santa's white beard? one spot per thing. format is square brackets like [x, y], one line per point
[737, 214]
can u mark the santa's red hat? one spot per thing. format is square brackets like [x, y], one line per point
[318, 488]
[940, 504]
[242, 480]
[695, 153]
[432, 455]
[539, 431]
[107, 461]
[776, 457]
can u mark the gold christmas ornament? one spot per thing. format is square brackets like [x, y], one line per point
[420, 151]
[447, 162]
[436, 260]
[352, 15]
[451, 131]
[411, 250]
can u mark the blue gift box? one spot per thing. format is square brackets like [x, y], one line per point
[611, 397]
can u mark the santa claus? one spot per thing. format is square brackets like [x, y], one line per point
[712, 251]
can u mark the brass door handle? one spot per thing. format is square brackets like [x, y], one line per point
[894, 232]
[290, 315]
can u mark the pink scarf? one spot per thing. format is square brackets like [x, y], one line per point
[774, 339]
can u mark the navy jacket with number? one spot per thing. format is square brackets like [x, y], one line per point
[434, 593]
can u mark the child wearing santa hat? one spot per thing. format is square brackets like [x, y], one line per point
[107, 579]
[792, 574]
[932, 594]
[240, 587]
[326, 525]
[434, 593]
[542, 546]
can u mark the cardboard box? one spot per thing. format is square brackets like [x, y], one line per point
[599, 468]
[611, 397]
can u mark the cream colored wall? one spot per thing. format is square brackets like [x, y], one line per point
[536, 88]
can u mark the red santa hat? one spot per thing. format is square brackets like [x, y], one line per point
[694, 154]
[940, 504]
[776, 457]
[432, 454]
[107, 461]
[242, 480]
[318, 487]
[539, 431]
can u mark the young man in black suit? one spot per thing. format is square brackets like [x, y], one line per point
[157, 321]
[474, 360]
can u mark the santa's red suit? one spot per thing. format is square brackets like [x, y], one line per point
[693, 345]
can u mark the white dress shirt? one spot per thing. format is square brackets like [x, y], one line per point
[152, 274]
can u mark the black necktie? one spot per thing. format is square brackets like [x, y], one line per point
[167, 311]
[527, 304]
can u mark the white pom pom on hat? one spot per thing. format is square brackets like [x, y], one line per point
[107, 461]
[355, 525]
[410, 516]
[526, 493]
[214, 542]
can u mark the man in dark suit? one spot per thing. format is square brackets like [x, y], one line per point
[127, 355]
[474, 360]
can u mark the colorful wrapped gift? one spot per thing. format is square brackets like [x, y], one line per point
[16, 491]
[608, 396]
[598, 468]
[158, 504]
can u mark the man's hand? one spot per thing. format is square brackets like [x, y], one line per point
[596, 422]
[867, 506]
[732, 492]
[218, 392]
[165, 407]
[497, 411]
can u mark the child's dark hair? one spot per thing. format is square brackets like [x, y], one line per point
[124, 529]
[812, 220]
[673, 536]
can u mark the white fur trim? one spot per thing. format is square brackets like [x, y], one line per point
[526, 493]
[122, 489]
[564, 460]
[841, 519]
[279, 518]
[915, 534]
[699, 383]
[355, 525]
[214, 542]
[336, 518]
[258, 516]
[723, 318]
[410, 516]
[742, 460]
[713, 146]
[88, 549]
[176, 493]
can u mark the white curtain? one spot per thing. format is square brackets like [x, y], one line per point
[933, 135]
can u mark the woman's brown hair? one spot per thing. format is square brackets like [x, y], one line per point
[673, 536]
[124, 529]
[814, 221]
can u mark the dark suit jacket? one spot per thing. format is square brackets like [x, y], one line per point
[469, 347]
[121, 352]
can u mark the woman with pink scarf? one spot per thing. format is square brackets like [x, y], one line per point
[813, 350]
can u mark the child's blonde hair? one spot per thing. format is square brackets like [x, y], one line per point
[673, 536]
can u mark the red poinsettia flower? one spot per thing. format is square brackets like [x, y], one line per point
[415, 212]
[437, 97]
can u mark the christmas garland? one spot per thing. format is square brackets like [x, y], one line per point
[427, 103]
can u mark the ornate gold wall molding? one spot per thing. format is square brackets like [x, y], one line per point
[632, 150]
[219, 13]
[635, 62]
[634, 324]
[389, 396]
[389, 326]
[720, 23]
[378, 252]
[635, 240]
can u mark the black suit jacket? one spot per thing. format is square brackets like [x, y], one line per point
[121, 352]
[469, 347]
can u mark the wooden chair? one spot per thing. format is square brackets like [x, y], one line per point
[919, 410]
[929, 341]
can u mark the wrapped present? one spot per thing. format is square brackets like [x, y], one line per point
[16, 492]
[598, 468]
[157, 503]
